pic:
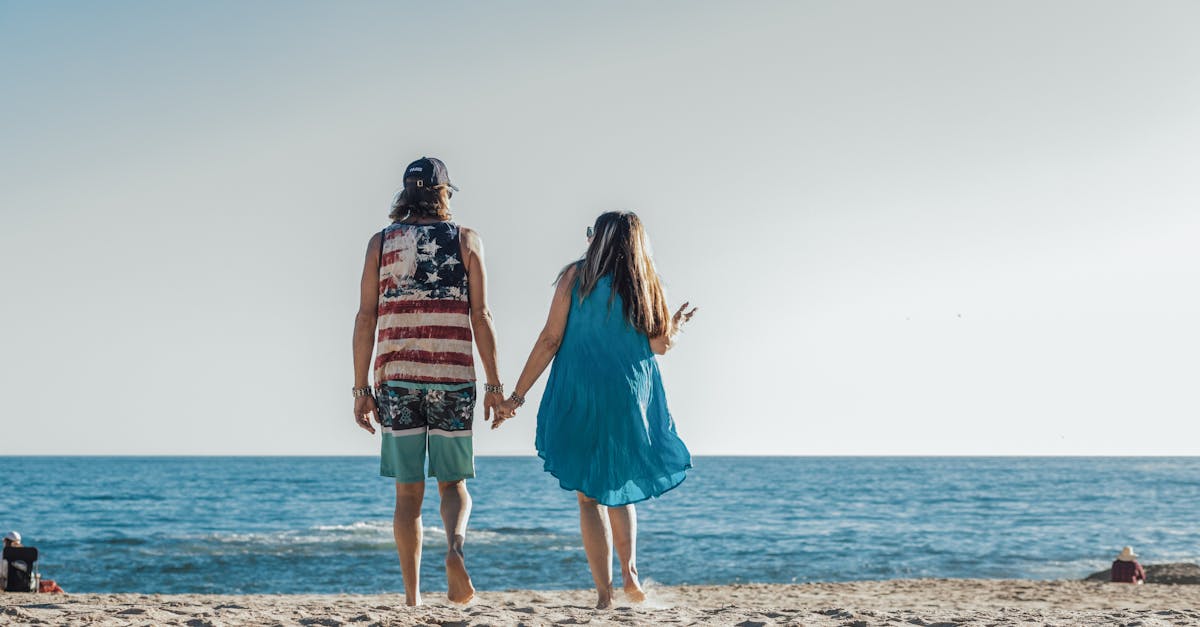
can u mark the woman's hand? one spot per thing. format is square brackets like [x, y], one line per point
[663, 343]
[364, 411]
[507, 409]
[681, 317]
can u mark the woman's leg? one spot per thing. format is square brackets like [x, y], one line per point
[406, 527]
[597, 542]
[624, 531]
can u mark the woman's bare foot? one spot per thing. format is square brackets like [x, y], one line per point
[604, 601]
[633, 587]
[457, 580]
[412, 601]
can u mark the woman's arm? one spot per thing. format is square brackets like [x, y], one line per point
[482, 326]
[364, 333]
[546, 346]
[665, 342]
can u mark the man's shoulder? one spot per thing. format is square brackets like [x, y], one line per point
[469, 237]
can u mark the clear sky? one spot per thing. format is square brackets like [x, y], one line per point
[910, 227]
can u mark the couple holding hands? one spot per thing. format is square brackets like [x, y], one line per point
[603, 427]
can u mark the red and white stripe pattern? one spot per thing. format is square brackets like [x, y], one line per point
[424, 317]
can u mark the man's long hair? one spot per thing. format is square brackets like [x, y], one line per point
[421, 202]
[621, 250]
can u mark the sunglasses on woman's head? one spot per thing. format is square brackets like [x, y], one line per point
[590, 232]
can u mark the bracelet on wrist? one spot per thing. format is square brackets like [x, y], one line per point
[517, 398]
[361, 392]
[494, 389]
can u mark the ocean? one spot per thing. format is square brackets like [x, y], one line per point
[323, 525]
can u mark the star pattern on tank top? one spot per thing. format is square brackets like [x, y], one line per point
[435, 271]
[430, 249]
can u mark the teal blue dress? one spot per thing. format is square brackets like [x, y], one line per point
[603, 427]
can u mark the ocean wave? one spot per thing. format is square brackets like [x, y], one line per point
[370, 534]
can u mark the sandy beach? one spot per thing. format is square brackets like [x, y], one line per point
[898, 602]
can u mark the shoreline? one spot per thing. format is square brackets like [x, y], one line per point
[889, 602]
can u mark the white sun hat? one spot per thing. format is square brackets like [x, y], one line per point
[1127, 555]
[14, 536]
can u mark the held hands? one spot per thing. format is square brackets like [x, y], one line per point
[491, 405]
[507, 409]
[364, 411]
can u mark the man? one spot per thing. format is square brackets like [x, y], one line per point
[423, 291]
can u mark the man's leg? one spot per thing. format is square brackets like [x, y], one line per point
[597, 543]
[452, 461]
[402, 454]
[406, 527]
[624, 530]
[456, 509]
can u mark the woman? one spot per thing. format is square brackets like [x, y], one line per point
[423, 291]
[603, 426]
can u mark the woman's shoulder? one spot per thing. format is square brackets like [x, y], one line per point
[569, 273]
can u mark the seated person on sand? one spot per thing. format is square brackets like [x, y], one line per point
[19, 561]
[1126, 569]
[12, 539]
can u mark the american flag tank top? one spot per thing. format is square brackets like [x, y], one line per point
[424, 313]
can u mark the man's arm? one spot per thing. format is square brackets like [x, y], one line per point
[482, 326]
[364, 333]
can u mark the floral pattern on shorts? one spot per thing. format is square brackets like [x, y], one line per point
[411, 408]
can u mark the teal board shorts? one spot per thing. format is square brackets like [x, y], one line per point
[417, 417]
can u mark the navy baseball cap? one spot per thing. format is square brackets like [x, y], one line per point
[430, 172]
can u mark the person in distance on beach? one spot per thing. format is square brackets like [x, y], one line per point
[423, 291]
[1126, 569]
[603, 428]
[12, 538]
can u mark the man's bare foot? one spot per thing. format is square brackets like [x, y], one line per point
[457, 579]
[412, 601]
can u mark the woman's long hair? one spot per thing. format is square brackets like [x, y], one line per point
[421, 202]
[621, 250]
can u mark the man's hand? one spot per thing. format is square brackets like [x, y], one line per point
[491, 404]
[364, 411]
